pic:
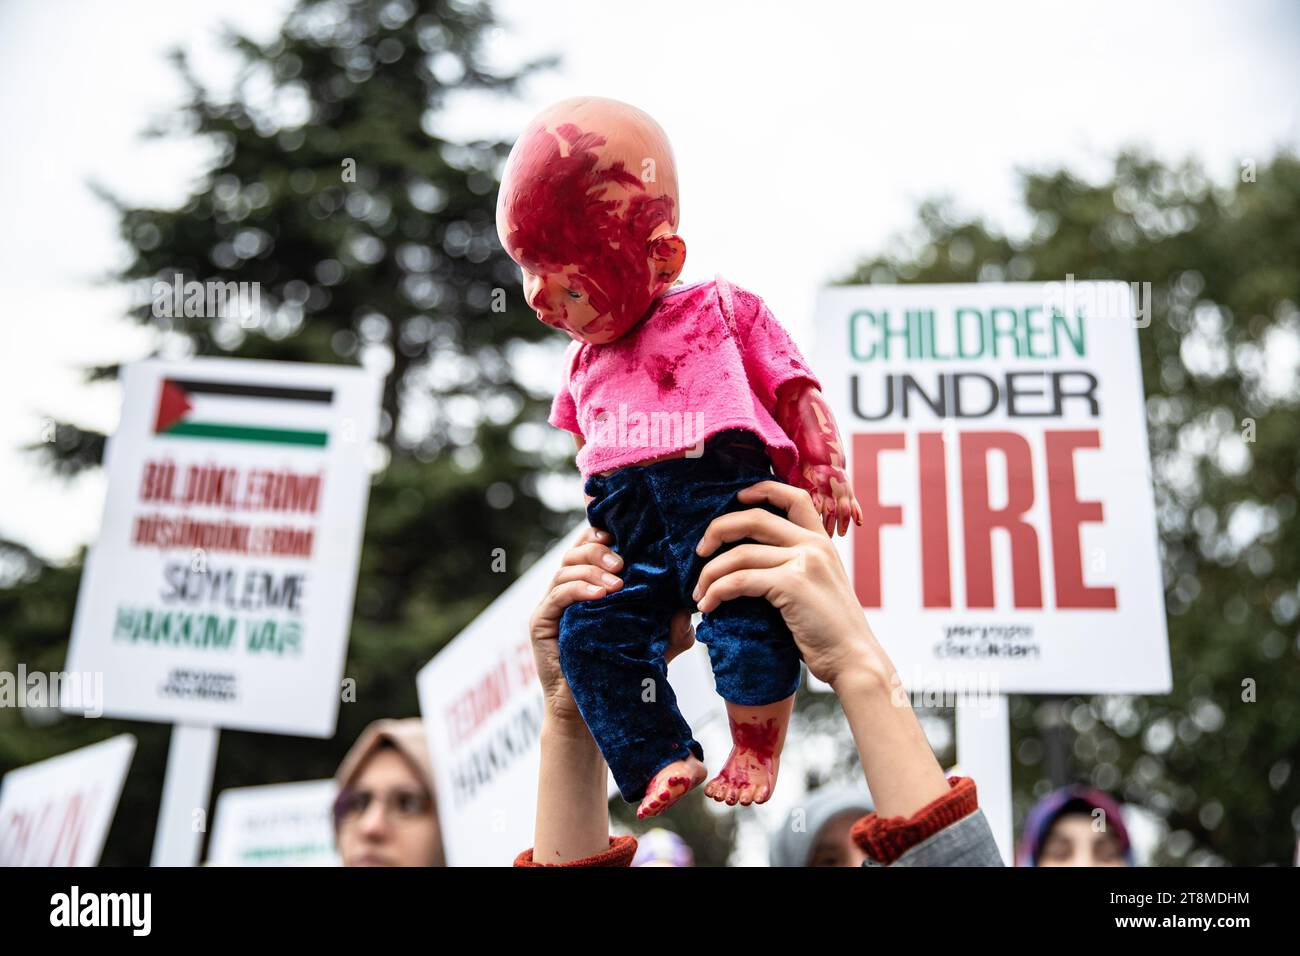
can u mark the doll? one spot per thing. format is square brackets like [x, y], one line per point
[678, 397]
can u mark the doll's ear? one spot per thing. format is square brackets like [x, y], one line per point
[667, 257]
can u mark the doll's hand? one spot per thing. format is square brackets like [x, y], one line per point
[832, 497]
[583, 576]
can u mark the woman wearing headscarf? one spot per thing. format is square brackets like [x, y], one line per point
[1075, 826]
[818, 832]
[385, 813]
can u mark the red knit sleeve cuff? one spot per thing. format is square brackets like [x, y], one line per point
[885, 840]
[620, 853]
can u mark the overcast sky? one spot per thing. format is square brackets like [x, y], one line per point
[881, 105]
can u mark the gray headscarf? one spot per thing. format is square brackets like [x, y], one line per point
[793, 843]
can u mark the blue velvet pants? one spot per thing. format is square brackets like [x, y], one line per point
[612, 648]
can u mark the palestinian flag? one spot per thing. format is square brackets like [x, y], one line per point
[231, 411]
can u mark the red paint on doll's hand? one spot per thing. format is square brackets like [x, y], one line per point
[801, 410]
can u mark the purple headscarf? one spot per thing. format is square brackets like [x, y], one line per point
[1076, 797]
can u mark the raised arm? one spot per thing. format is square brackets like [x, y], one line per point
[572, 813]
[802, 575]
[919, 812]
[572, 825]
[921, 817]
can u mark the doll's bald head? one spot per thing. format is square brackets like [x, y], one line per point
[589, 209]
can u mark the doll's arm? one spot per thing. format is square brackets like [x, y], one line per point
[803, 414]
[789, 390]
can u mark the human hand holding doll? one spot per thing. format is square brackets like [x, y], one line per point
[587, 570]
[793, 565]
[719, 398]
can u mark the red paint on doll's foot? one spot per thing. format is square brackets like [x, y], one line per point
[760, 738]
[749, 775]
[671, 783]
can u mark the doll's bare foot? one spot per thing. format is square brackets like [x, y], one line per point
[746, 778]
[669, 785]
[757, 734]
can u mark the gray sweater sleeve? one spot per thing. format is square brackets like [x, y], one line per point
[968, 842]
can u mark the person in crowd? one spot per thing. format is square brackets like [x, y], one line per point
[385, 813]
[660, 847]
[922, 818]
[819, 830]
[1075, 826]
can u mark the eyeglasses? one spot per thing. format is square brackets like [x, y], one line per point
[401, 806]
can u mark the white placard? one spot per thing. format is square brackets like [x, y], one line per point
[57, 812]
[996, 438]
[219, 591]
[482, 710]
[283, 824]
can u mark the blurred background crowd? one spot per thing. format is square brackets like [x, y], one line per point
[818, 145]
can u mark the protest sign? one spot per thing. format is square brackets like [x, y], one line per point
[996, 440]
[57, 812]
[482, 710]
[219, 591]
[283, 824]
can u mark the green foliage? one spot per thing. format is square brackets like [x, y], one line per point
[1224, 267]
[399, 266]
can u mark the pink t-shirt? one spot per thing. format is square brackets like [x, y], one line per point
[678, 377]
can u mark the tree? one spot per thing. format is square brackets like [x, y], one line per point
[1216, 757]
[372, 240]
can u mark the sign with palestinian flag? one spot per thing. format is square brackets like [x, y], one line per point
[238, 411]
[220, 589]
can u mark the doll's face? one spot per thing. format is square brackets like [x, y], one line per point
[588, 210]
[562, 299]
[569, 299]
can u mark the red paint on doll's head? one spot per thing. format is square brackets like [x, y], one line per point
[578, 210]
